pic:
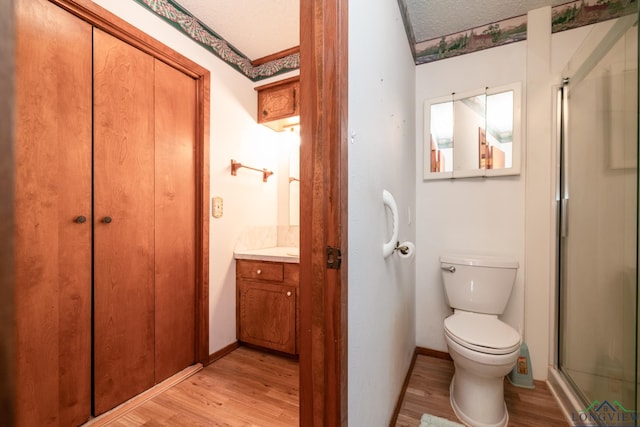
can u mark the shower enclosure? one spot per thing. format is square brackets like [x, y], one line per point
[598, 220]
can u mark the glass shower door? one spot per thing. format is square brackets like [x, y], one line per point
[598, 210]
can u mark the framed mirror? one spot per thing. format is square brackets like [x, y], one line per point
[473, 134]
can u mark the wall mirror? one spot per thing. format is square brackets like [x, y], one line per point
[473, 134]
[294, 185]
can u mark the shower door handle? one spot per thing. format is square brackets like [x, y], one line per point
[564, 219]
[564, 156]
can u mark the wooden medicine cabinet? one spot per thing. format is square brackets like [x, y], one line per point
[279, 104]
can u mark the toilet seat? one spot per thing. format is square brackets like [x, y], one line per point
[482, 333]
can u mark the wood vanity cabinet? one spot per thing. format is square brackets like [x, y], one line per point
[279, 103]
[266, 304]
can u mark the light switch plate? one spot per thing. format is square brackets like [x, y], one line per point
[216, 207]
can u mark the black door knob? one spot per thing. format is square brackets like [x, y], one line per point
[81, 219]
[107, 219]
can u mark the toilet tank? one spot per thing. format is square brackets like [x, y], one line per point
[480, 284]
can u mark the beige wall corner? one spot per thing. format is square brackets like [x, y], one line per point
[539, 242]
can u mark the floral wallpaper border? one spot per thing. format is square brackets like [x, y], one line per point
[577, 13]
[478, 38]
[188, 24]
[566, 16]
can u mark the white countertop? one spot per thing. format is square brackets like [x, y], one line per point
[274, 254]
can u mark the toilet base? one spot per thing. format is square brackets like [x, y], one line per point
[467, 419]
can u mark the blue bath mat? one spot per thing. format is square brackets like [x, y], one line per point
[433, 421]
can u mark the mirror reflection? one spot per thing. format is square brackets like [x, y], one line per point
[498, 143]
[469, 120]
[294, 183]
[442, 137]
[472, 134]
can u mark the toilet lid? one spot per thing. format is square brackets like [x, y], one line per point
[482, 333]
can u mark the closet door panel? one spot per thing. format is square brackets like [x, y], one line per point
[53, 188]
[123, 223]
[175, 110]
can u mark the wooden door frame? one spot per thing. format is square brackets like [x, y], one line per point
[7, 282]
[323, 213]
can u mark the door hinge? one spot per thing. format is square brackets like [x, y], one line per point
[334, 258]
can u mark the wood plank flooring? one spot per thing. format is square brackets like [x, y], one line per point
[252, 388]
[245, 388]
[428, 392]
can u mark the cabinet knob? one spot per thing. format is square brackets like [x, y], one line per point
[288, 293]
[81, 219]
[107, 219]
[259, 272]
[265, 112]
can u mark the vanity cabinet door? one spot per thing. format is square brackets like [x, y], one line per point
[279, 101]
[267, 315]
[279, 104]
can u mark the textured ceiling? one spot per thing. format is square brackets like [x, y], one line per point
[257, 28]
[432, 19]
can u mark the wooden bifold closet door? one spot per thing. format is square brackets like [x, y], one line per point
[175, 195]
[53, 216]
[123, 168]
[144, 203]
[106, 225]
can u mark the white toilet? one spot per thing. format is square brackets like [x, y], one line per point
[483, 348]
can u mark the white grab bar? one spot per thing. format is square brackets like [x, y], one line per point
[389, 201]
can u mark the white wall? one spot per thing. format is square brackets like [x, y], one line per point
[381, 156]
[234, 135]
[540, 253]
[509, 215]
[481, 215]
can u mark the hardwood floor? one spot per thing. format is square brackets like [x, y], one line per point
[428, 392]
[246, 387]
[249, 387]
